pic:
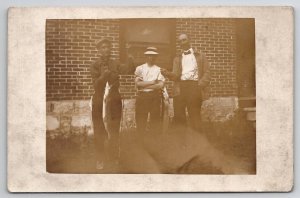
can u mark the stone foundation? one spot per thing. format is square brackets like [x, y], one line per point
[219, 109]
[75, 116]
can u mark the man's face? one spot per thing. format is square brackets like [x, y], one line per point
[184, 42]
[104, 49]
[151, 59]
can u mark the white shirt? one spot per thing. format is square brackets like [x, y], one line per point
[148, 73]
[189, 66]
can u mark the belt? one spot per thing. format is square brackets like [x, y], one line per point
[149, 92]
[188, 81]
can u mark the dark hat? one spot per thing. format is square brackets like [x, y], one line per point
[101, 41]
[151, 51]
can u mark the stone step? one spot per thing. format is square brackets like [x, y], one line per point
[247, 102]
[250, 113]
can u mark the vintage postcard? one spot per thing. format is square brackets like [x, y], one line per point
[150, 99]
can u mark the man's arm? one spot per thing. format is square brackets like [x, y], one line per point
[140, 83]
[155, 84]
[128, 68]
[98, 79]
[175, 74]
[158, 85]
[114, 72]
[205, 79]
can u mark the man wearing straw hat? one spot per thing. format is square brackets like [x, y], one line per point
[149, 82]
[106, 104]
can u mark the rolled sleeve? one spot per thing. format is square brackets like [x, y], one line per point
[138, 72]
[160, 77]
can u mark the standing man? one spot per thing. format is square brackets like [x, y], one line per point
[149, 82]
[190, 75]
[106, 104]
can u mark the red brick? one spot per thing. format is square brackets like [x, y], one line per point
[70, 46]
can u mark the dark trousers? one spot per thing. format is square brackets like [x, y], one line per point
[148, 102]
[114, 110]
[190, 98]
[114, 114]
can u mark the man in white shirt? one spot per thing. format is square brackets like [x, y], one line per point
[149, 82]
[190, 75]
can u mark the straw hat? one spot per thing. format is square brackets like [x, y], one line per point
[151, 51]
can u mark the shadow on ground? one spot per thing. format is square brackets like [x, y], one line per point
[222, 148]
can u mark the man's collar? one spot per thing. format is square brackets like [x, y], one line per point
[189, 51]
[147, 64]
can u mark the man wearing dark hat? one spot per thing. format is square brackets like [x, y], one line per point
[190, 75]
[149, 82]
[106, 104]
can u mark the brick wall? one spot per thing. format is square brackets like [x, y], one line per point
[70, 49]
[217, 39]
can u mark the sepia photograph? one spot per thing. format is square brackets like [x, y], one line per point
[150, 99]
[151, 96]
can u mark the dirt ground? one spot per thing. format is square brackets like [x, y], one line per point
[221, 148]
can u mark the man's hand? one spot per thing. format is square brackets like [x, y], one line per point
[156, 81]
[140, 83]
[105, 74]
[114, 76]
[164, 72]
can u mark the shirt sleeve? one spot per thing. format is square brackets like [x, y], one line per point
[138, 72]
[94, 72]
[160, 76]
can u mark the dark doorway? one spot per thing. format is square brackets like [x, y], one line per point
[138, 34]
